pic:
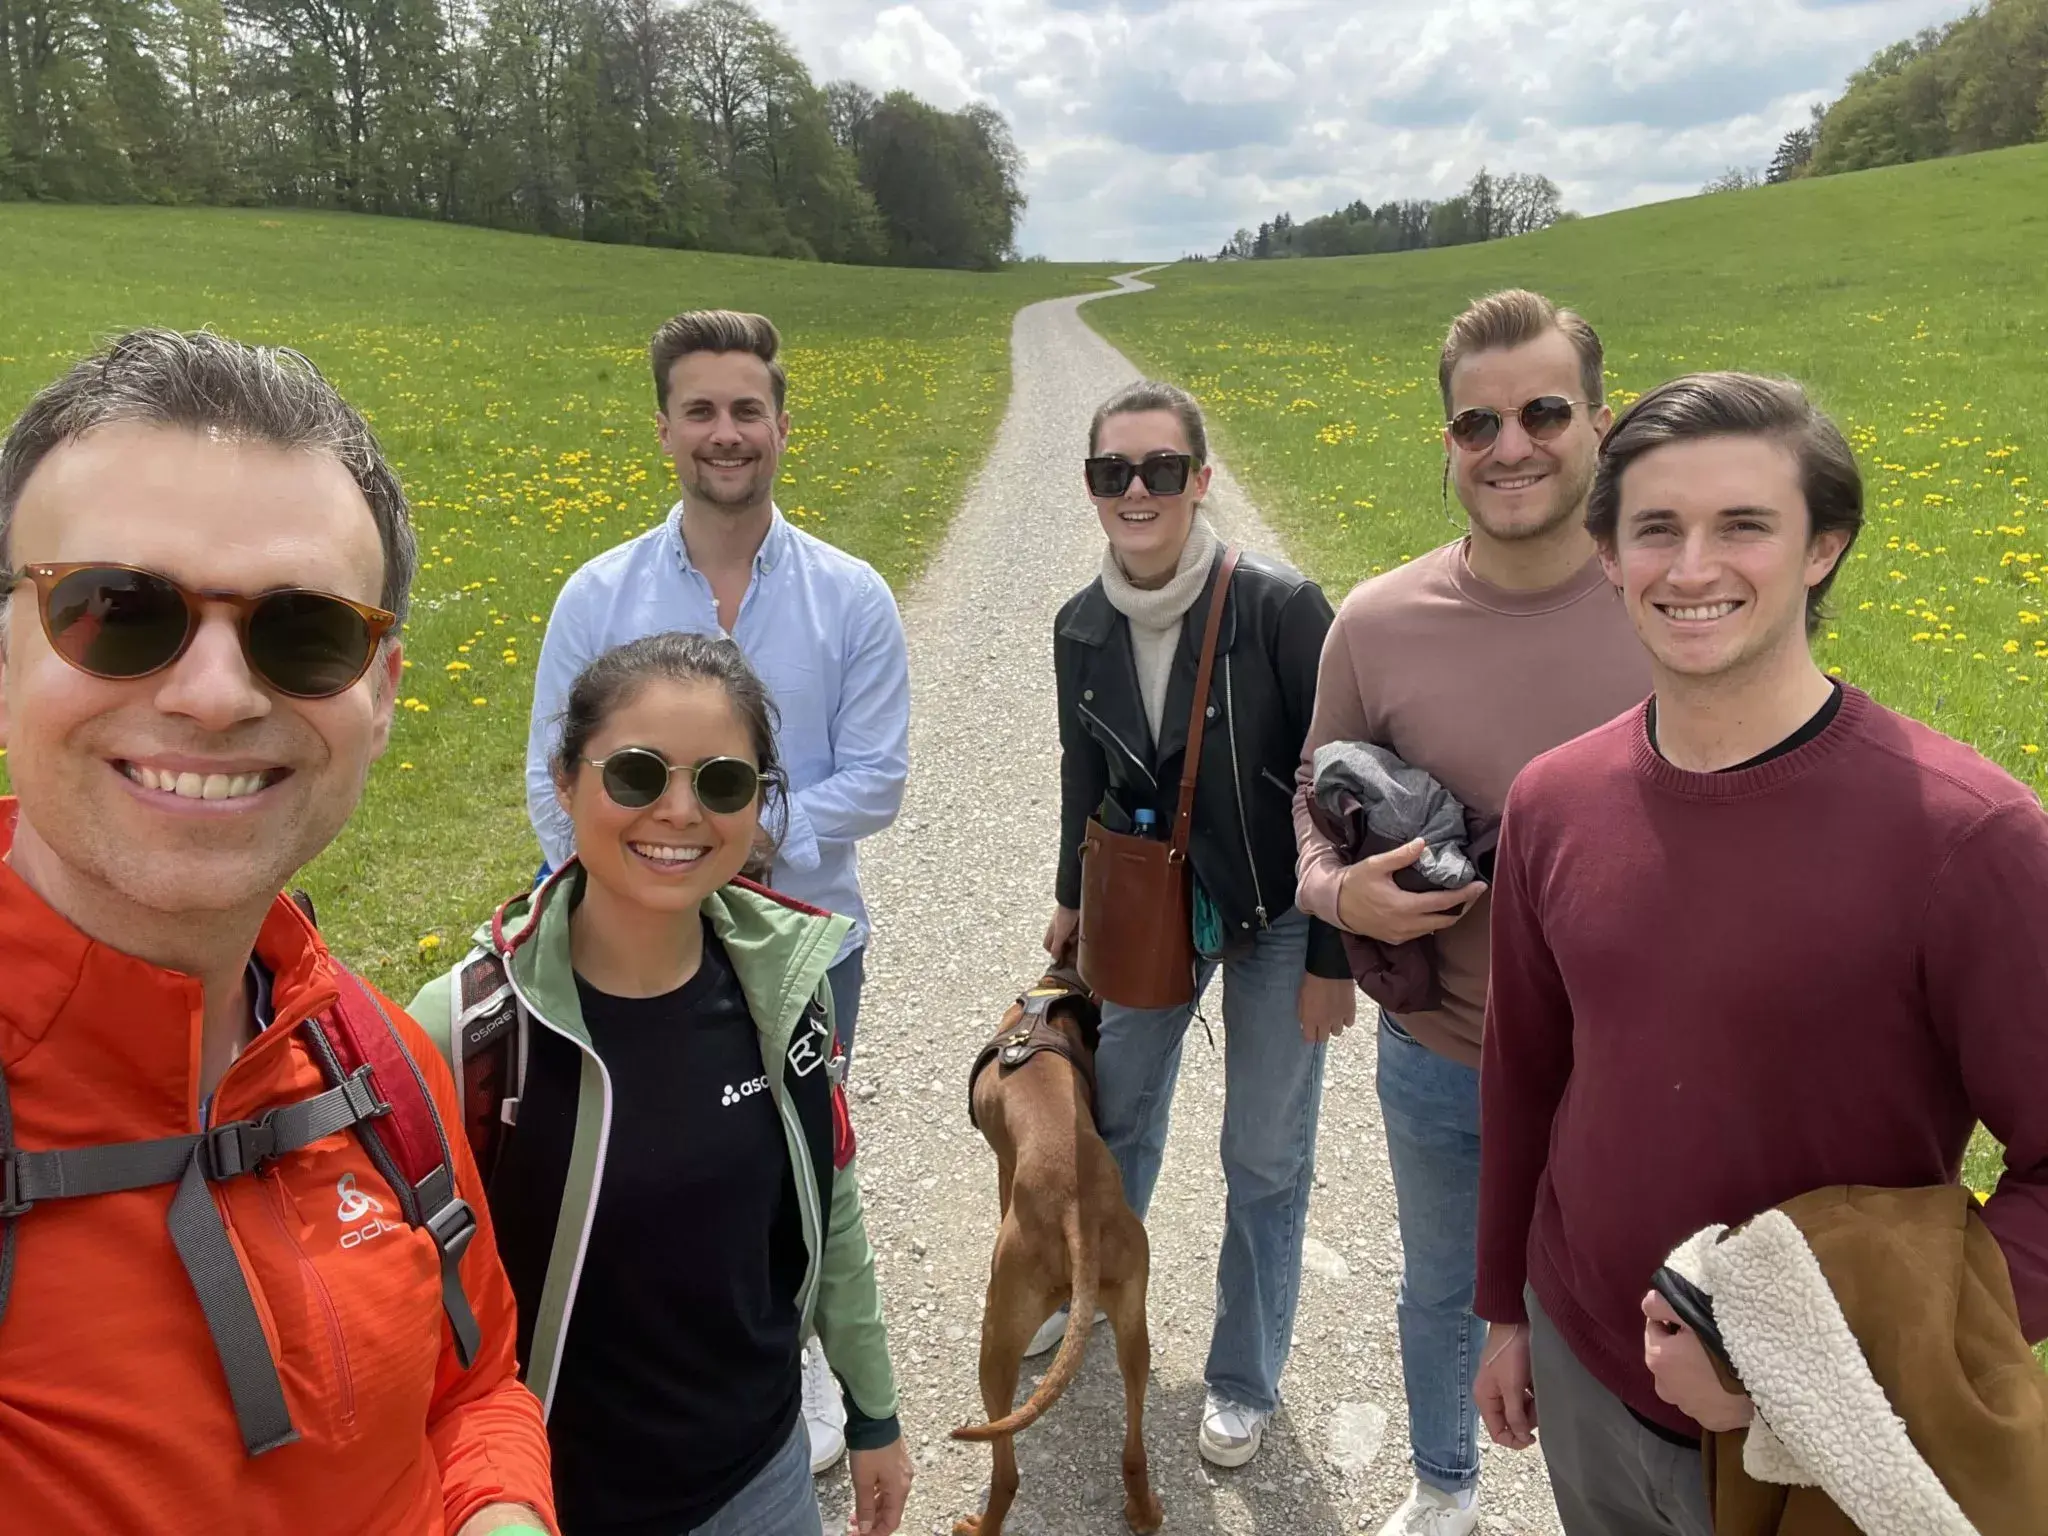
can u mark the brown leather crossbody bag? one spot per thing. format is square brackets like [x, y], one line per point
[1137, 893]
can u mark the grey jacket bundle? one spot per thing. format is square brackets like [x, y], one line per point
[1367, 801]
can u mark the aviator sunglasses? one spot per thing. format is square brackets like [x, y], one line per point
[1543, 418]
[120, 623]
[635, 777]
[1164, 474]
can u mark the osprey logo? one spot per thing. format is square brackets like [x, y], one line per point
[811, 1046]
[747, 1090]
[355, 1205]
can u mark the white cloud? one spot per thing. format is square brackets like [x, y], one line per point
[1155, 127]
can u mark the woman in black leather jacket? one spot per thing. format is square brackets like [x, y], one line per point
[1125, 652]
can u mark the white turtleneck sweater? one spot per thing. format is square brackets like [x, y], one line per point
[1156, 612]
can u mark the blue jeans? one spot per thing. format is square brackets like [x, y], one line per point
[780, 1501]
[1273, 1090]
[1431, 1108]
[847, 977]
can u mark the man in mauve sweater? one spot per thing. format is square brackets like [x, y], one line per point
[1467, 662]
[1760, 937]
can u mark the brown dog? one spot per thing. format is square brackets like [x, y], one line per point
[1067, 1234]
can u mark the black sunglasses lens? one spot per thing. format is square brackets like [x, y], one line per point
[1546, 417]
[635, 777]
[1165, 476]
[726, 784]
[1108, 476]
[307, 644]
[116, 623]
[1476, 428]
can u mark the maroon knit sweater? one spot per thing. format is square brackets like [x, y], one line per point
[1714, 992]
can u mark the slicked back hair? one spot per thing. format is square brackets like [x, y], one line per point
[1515, 317]
[716, 330]
[1153, 395]
[1707, 405]
[201, 382]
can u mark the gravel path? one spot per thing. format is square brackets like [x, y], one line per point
[961, 889]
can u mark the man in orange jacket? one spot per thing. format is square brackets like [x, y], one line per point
[204, 559]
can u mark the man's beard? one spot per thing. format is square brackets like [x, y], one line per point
[1568, 500]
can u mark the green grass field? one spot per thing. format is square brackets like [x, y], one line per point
[507, 377]
[1910, 301]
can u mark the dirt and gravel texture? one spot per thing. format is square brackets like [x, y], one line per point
[960, 890]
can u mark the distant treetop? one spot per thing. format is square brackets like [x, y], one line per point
[1490, 208]
[632, 121]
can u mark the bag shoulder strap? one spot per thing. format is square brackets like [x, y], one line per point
[409, 1146]
[486, 1048]
[1184, 817]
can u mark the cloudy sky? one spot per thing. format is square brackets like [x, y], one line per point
[1156, 127]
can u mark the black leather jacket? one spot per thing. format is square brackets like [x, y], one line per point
[1261, 697]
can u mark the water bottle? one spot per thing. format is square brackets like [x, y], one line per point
[1146, 821]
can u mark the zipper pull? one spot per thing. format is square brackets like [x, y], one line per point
[1262, 917]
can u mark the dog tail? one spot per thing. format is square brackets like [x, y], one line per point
[1067, 1363]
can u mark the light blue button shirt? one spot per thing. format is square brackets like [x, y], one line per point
[822, 630]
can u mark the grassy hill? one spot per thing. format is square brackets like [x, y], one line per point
[1912, 301]
[507, 376]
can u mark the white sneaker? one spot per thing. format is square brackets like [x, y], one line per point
[824, 1409]
[1050, 1332]
[1231, 1433]
[1432, 1512]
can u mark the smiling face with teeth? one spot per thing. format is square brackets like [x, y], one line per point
[1714, 553]
[195, 792]
[1148, 532]
[722, 431]
[668, 856]
[1517, 489]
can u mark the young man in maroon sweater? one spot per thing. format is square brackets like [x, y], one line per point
[1467, 662]
[1760, 937]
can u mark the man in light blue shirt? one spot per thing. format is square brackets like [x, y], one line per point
[818, 625]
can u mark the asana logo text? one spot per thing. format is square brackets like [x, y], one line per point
[747, 1090]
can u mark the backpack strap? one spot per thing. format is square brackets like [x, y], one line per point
[213, 1155]
[486, 1044]
[409, 1147]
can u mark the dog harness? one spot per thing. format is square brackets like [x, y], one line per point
[1029, 1029]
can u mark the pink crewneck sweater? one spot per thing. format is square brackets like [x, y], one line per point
[1466, 681]
[1714, 992]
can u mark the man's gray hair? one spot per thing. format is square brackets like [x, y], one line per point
[202, 382]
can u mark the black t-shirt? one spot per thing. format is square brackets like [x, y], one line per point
[1819, 721]
[679, 1380]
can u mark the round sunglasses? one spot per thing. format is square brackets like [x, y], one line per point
[121, 622]
[1164, 474]
[1543, 418]
[635, 777]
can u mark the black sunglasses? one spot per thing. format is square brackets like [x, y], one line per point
[1164, 474]
[121, 622]
[635, 777]
[1543, 418]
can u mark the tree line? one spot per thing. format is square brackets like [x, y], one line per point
[1490, 208]
[631, 121]
[1979, 82]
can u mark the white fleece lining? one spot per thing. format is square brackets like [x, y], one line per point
[1829, 1423]
[1764, 1457]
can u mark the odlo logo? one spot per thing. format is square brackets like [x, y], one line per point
[733, 1095]
[355, 1205]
